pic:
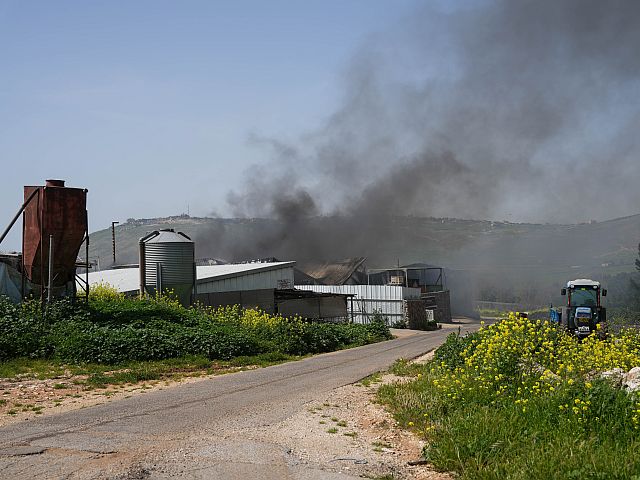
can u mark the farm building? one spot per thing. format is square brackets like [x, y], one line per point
[428, 279]
[411, 293]
[210, 278]
[398, 304]
[268, 286]
[350, 271]
[10, 276]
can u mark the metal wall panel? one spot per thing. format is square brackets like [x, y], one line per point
[386, 299]
[250, 281]
[302, 307]
[261, 299]
[380, 292]
[321, 308]
[333, 307]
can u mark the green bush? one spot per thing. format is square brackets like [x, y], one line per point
[25, 328]
[112, 329]
[158, 339]
[451, 351]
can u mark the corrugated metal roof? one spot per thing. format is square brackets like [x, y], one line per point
[122, 279]
[128, 279]
[582, 282]
[334, 273]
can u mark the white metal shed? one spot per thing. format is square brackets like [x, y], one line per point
[389, 300]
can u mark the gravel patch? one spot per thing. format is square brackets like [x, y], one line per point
[347, 432]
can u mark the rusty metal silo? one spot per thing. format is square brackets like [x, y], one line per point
[55, 219]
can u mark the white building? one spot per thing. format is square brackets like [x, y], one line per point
[267, 286]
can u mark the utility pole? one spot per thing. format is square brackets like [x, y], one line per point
[50, 279]
[113, 239]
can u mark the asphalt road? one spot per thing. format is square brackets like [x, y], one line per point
[195, 430]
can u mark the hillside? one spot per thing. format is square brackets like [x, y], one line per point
[599, 248]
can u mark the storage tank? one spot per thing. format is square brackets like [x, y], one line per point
[59, 213]
[167, 262]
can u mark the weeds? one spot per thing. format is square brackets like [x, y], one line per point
[373, 378]
[381, 445]
[520, 399]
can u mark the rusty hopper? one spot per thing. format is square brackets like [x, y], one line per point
[60, 213]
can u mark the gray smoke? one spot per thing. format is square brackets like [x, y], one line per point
[522, 110]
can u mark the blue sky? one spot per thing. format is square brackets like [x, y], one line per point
[149, 104]
[155, 107]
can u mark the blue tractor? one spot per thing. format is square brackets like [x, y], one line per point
[583, 313]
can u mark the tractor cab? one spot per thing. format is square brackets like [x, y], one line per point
[584, 309]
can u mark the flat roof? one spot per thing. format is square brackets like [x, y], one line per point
[128, 279]
[582, 282]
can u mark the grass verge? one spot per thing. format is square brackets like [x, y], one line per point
[522, 400]
[100, 375]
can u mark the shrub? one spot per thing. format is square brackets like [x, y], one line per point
[378, 329]
[25, 327]
[113, 328]
[450, 353]
[22, 329]
[105, 291]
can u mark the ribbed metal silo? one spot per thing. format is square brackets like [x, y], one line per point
[167, 262]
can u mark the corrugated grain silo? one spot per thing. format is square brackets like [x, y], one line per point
[167, 263]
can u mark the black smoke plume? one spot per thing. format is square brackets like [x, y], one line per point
[524, 110]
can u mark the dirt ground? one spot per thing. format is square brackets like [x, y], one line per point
[367, 441]
[23, 399]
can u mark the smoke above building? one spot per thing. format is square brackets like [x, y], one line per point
[506, 110]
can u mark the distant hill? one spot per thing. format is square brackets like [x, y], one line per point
[539, 250]
[496, 261]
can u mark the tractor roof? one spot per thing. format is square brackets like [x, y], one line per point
[582, 282]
